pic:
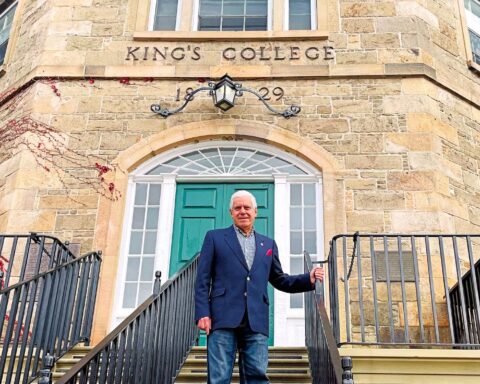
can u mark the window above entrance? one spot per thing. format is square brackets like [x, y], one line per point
[227, 161]
[233, 15]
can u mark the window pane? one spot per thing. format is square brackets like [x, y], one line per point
[309, 219]
[210, 8]
[300, 14]
[135, 243]
[145, 291]
[133, 267]
[311, 242]
[299, 7]
[256, 24]
[231, 15]
[296, 265]
[296, 300]
[309, 194]
[166, 15]
[5, 26]
[296, 194]
[166, 8]
[233, 7]
[152, 218]
[300, 22]
[154, 194]
[150, 243]
[257, 8]
[296, 242]
[296, 218]
[138, 218]
[147, 269]
[475, 43]
[140, 194]
[129, 295]
[232, 24]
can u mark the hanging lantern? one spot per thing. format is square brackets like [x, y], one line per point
[224, 93]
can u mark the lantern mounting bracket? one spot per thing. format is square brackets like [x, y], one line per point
[223, 94]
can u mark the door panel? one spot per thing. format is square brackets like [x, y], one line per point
[195, 213]
[192, 230]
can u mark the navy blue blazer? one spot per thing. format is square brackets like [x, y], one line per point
[225, 288]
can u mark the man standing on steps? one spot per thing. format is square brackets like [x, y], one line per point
[231, 301]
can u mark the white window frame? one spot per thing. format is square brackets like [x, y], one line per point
[473, 21]
[196, 8]
[151, 19]
[14, 4]
[313, 15]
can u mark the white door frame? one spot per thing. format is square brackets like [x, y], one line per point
[282, 312]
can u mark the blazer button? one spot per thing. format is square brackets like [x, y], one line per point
[244, 293]
[248, 278]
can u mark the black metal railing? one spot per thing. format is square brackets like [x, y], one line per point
[465, 315]
[151, 344]
[326, 365]
[25, 256]
[47, 313]
[396, 288]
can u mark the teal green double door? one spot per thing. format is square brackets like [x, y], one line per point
[202, 207]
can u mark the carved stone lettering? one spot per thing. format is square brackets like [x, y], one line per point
[131, 52]
[262, 53]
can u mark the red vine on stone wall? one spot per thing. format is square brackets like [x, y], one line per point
[50, 147]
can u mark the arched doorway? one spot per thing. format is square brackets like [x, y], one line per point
[176, 196]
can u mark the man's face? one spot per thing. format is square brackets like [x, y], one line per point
[243, 213]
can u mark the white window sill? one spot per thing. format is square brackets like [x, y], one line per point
[229, 35]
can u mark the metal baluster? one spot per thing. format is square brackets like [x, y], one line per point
[373, 260]
[389, 289]
[404, 294]
[347, 376]
[432, 289]
[417, 289]
[92, 297]
[445, 285]
[461, 290]
[17, 329]
[11, 258]
[346, 289]
[476, 305]
[46, 372]
[360, 291]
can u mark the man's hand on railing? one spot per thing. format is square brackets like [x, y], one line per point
[205, 324]
[316, 273]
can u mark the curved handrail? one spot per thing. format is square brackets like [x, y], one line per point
[139, 346]
[325, 361]
[48, 313]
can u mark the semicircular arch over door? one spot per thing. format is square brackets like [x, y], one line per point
[154, 203]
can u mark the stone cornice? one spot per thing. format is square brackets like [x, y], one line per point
[252, 72]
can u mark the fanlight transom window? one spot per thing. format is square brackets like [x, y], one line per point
[229, 161]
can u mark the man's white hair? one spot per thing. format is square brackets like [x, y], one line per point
[243, 193]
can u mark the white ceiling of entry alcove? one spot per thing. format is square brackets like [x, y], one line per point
[226, 159]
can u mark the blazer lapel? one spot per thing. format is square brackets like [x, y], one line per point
[232, 241]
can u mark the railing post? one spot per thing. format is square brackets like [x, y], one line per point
[46, 372]
[157, 283]
[1, 279]
[347, 375]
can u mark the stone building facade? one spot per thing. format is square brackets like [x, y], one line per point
[388, 134]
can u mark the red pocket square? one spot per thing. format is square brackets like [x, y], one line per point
[269, 252]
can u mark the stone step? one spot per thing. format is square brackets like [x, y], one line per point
[285, 365]
[274, 378]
